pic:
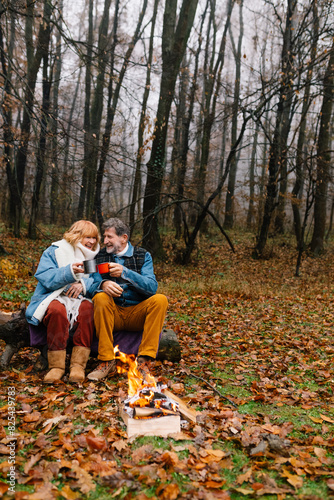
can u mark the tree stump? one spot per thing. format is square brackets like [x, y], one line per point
[169, 347]
[14, 330]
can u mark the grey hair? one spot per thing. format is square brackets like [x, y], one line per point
[117, 224]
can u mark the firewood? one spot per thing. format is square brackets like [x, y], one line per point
[186, 412]
[146, 411]
[155, 426]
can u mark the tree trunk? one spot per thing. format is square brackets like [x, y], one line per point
[141, 128]
[250, 212]
[323, 159]
[174, 40]
[87, 125]
[54, 208]
[6, 57]
[33, 63]
[191, 242]
[278, 148]
[41, 163]
[96, 111]
[112, 104]
[212, 83]
[300, 156]
[229, 206]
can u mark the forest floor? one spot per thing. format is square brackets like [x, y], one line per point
[257, 364]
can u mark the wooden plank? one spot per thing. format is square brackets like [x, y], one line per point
[161, 426]
[186, 412]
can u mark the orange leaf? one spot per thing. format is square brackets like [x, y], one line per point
[69, 494]
[32, 417]
[214, 484]
[244, 477]
[257, 486]
[316, 420]
[327, 419]
[97, 443]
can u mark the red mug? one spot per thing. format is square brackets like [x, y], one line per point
[103, 268]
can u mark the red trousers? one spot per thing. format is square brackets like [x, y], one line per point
[58, 326]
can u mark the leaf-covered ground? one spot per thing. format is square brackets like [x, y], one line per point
[257, 364]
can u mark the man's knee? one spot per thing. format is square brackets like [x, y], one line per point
[101, 299]
[160, 301]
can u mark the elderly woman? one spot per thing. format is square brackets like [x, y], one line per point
[62, 302]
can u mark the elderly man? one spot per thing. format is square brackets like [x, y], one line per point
[126, 299]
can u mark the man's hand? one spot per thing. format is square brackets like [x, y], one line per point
[112, 289]
[74, 290]
[115, 270]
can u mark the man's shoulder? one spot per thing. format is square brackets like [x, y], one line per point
[139, 250]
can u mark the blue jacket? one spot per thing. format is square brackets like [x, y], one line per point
[54, 273]
[137, 286]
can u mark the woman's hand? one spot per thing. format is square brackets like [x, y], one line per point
[77, 267]
[74, 290]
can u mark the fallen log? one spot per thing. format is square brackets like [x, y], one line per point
[14, 331]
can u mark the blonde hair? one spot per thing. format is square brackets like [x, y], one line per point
[82, 229]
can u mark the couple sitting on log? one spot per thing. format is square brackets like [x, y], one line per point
[124, 298]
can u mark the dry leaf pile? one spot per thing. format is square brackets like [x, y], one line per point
[257, 364]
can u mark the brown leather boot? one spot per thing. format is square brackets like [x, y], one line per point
[79, 358]
[56, 361]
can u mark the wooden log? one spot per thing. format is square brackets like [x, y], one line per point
[14, 330]
[147, 411]
[186, 412]
[156, 426]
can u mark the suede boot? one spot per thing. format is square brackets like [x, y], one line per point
[56, 361]
[79, 358]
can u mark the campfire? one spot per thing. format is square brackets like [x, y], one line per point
[146, 410]
[145, 399]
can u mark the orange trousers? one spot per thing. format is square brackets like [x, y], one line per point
[148, 315]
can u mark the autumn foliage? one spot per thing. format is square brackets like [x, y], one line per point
[257, 365]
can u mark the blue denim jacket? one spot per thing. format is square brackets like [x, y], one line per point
[136, 286]
[53, 277]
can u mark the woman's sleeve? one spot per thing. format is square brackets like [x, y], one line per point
[50, 275]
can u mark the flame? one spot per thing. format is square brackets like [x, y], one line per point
[135, 379]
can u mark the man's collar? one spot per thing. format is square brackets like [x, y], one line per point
[128, 252]
[123, 252]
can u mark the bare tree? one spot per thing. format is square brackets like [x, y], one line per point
[142, 122]
[229, 208]
[174, 39]
[323, 158]
[278, 150]
[113, 96]
[16, 172]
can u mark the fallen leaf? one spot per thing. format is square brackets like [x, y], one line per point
[327, 419]
[293, 479]
[244, 478]
[55, 420]
[97, 443]
[244, 491]
[316, 420]
[32, 417]
[69, 494]
[330, 484]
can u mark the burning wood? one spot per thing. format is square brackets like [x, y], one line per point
[146, 411]
[149, 401]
